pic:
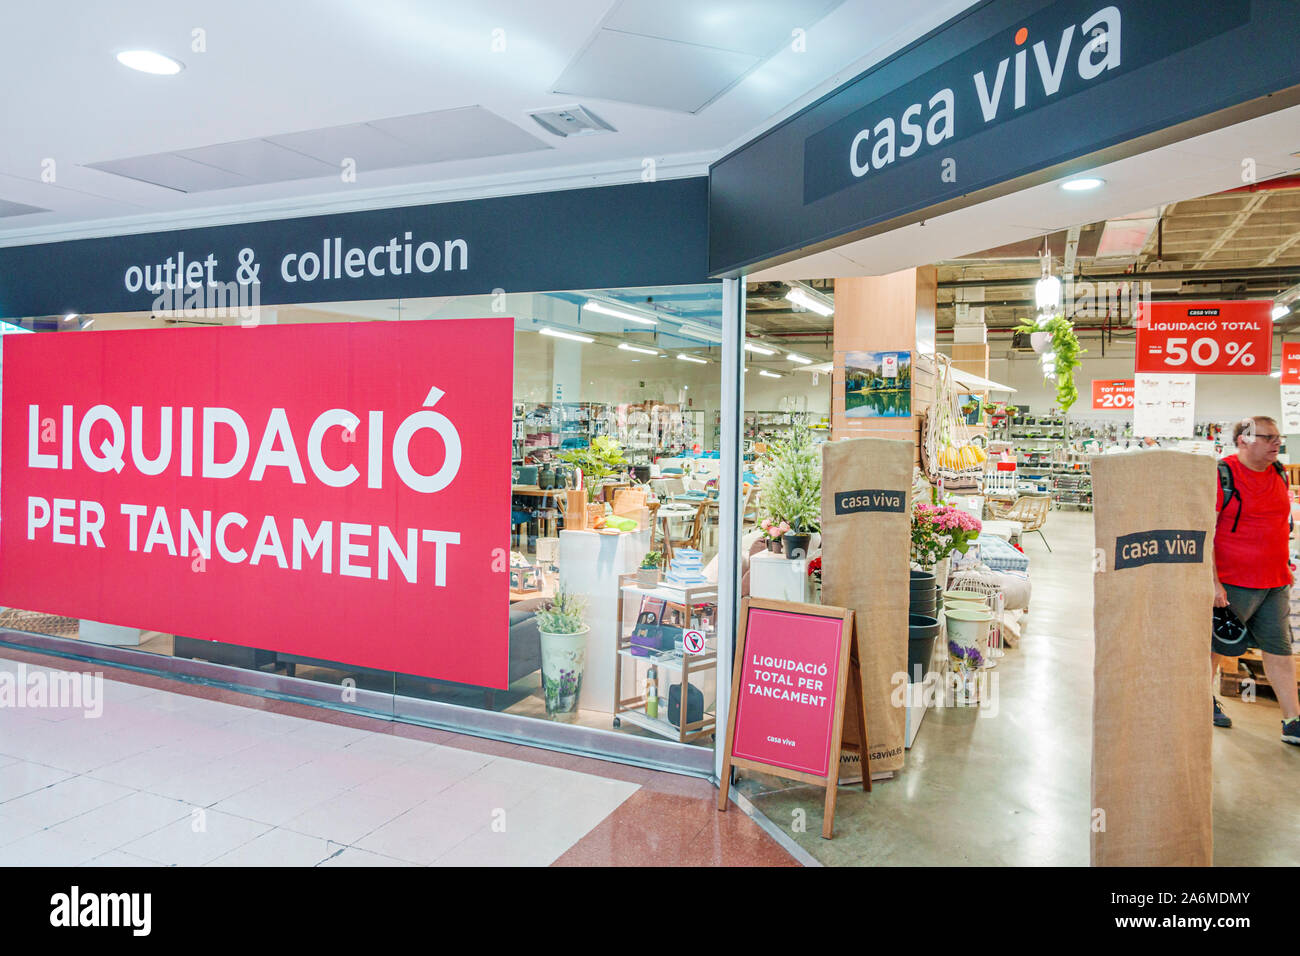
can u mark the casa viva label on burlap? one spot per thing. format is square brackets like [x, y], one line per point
[869, 499]
[1161, 546]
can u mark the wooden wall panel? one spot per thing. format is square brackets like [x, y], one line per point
[877, 314]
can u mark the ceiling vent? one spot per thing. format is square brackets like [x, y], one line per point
[571, 121]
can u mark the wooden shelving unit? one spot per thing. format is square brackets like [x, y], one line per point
[632, 709]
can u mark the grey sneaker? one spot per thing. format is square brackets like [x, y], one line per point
[1223, 720]
[1291, 731]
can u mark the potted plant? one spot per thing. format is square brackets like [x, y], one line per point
[564, 651]
[647, 576]
[773, 532]
[792, 491]
[1064, 349]
[937, 532]
[603, 458]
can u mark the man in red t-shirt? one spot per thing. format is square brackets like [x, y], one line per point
[1252, 562]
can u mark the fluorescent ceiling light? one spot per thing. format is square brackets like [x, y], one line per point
[692, 358]
[810, 299]
[594, 306]
[751, 347]
[637, 348]
[764, 371]
[72, 315]
[1083, 184]
[690, 331]
[147, 61]
[1279, 311]
[556, 333]
[799, 358]
[1276, 373]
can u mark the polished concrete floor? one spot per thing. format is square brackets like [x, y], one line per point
[1011, 786]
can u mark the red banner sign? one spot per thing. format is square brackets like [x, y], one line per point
[1291, 363]
[338, 491]
[1205, 338]
[1111, 395]
[787, 704]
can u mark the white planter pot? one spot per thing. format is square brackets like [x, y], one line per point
[968, 633]
[1040, 340]
[959, 597]
[564, 659]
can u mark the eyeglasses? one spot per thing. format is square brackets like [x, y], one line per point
[1271, 439]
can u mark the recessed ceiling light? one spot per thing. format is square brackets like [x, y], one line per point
[1083, 184]
[147, 61]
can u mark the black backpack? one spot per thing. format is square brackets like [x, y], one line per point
[1230, 489]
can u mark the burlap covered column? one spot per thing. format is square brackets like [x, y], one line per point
[866, 541]
[1152, 598]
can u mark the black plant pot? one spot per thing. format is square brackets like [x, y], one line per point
[922, 580]
[921, 632]
[796, 544]
[922, 604]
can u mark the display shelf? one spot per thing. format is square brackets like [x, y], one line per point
[700, 607]
[660, 725]
[668, 659]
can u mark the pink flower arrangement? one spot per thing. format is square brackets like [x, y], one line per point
[774, 529]
[939, 530]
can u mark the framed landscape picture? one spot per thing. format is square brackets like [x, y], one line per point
[878, 384]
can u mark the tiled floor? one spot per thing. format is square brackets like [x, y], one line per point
[205, 776]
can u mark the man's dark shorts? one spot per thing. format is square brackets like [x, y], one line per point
[1267, 612]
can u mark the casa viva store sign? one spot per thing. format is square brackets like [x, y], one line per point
[336, 492]
[1004, 90]
[983, 91]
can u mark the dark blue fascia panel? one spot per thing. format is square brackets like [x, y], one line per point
[640, 234]
[795, 186]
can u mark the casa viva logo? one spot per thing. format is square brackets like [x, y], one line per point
[1088, 50]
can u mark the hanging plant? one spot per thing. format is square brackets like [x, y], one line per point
[1065, 348]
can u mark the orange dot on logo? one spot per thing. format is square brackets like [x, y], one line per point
[1021, 36]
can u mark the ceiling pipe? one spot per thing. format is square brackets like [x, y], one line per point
[1200, 275]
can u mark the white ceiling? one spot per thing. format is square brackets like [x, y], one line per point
[339, 69]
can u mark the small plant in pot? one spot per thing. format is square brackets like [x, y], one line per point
[773, 532]
[792, 491]
[564, 651]
[603, 458]
[647, 576]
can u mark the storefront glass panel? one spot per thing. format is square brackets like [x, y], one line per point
[624, 384]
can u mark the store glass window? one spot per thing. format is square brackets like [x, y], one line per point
[613, 519]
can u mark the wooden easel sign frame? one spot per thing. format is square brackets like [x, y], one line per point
[795, 672]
